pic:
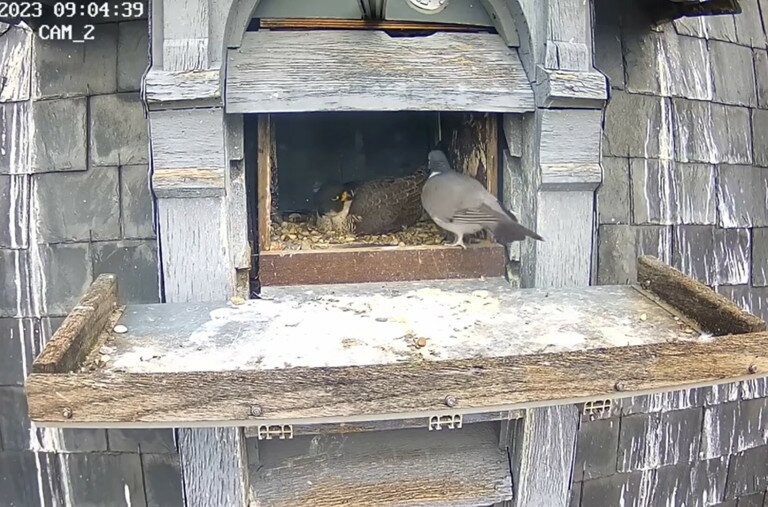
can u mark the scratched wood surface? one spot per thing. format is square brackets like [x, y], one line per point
[411, 467]
[716, 313]
[442, 72]
[74, 339]
[350, 393]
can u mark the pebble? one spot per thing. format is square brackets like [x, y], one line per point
[421, 342]
[120, 329]
[643, 317]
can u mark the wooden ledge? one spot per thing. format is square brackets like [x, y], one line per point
[370, 352]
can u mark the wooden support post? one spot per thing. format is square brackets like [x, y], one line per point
[264, 171]
[542, 448]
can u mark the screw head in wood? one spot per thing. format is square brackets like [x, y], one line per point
[67, 413]
[752, 368]
[619, 386]
[255, 410]
[451, 401]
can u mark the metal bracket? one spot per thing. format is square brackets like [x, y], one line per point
[451, 422]
[279, 431]
[596, 409]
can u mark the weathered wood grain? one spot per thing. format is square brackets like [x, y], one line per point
[163, 87]
[187, 183]
[478, 384]
[477, 72]
[237, 200]
[571, 176]
[214, 466]
[383, 264]
[472, 144]
[570, 136]
[450, 468]
[716, 313]
[265, 140]
[558, 88]
[512, 126]
[74, 339]
[185, 35]
[543, 449]
[187, 138]
[196, 263]
[565, 220]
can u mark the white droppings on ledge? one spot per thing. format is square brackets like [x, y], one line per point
[385, 323]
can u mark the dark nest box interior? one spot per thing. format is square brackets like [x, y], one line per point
[340, 115]
[303, 161]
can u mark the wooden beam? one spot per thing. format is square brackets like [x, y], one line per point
[271, 71]
[168, 399]
[716, 313]
[380, 264]
[264, 179]
[365, 24]
[74, 339]
[492, 154]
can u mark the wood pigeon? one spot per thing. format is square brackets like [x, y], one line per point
[460, 204]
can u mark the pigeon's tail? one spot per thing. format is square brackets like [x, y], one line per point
[507, 231]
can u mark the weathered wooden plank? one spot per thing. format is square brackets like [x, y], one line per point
[214, 466]
[162, 399]
[558, 88]
[76, 336]
[163, 87]
[237, 202]
[382, 264]
[570, 136]
[565, 219]
[478, 72]
[571, 176]
[543, 450]
[512, 126]
[364, 24]
[716, 313]
[196, 263]
[185, 35]
[264, 141]
[384, 468]
[187, 138]
[188, 183]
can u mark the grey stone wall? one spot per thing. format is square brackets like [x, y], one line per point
[74, 203]
[685, 147]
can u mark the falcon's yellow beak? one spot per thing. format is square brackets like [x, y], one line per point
[343, 196]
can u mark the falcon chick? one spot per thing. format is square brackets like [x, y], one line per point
[461, 205]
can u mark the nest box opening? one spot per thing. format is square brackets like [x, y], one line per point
[300, 165]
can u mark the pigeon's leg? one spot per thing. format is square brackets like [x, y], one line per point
[459, 241]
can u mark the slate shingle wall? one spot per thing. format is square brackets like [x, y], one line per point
[74, 203]
[685, 147]
[697, 447]
[685, 179]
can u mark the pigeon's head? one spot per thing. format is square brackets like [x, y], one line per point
[438, 162]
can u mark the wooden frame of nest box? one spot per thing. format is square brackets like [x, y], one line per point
[472, 144]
